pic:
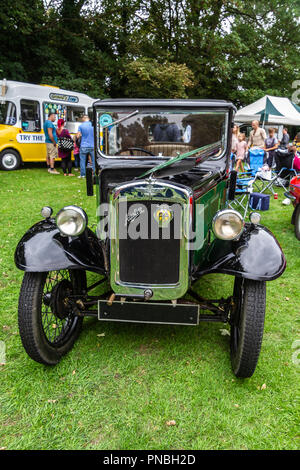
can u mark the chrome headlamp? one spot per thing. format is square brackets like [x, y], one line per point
[46, 212]
[228, 224]
[254, 218]
[71, 220]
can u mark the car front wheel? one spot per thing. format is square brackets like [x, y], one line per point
[48, 324]
[247, 325]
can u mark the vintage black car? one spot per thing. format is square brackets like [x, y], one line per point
[162, 183]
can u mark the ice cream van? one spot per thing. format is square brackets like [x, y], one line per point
[24, 107]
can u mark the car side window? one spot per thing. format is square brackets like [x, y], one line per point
[30, 116]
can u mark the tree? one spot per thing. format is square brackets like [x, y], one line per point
[147, 77]
[232, 49]
[21, 35]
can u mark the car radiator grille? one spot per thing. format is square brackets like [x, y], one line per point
[148, 261]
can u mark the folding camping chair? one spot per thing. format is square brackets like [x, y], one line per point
[283, 173]
[253, 173]
[244, 187]
[256, 161]
[249, 181]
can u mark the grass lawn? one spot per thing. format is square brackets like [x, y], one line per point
[117, 391]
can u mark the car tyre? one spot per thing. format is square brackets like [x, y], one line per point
[247, 325]
[46, 336]
[297, 221]
[9, 160]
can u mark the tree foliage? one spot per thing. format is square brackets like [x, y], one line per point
[158, 80]
[232, 49]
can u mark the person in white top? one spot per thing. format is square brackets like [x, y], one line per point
[257, 136]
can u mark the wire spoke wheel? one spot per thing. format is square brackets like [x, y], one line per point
[56, 329]
[47, 320]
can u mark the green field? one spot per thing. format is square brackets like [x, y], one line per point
[121, 384]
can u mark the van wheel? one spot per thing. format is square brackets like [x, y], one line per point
[48, 324]
[247, 325]
[9, 160]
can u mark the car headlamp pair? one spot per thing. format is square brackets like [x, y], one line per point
[228, 224]
[71, 220]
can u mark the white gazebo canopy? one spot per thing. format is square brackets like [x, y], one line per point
[270, 110]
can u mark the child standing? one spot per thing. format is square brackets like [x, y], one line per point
[241, 149]
[271, 144]
[76, 153]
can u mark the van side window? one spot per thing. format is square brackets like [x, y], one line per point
[58, 109]
[75, 113]
[8, 114]
[30, 116]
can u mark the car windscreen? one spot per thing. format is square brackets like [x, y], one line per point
[163, 133]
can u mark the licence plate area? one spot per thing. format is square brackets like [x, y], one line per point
[144, 312]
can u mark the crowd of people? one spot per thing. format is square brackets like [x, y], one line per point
[277, 153]
[82, 145]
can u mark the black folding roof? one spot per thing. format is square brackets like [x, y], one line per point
[158, 103]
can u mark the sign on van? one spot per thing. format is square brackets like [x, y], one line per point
[62, 97]
[31, 138]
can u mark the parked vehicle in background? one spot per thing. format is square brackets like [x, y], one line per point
[24, 107]
[162, 185]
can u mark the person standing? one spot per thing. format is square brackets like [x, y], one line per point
[86, 132]
[271, 144]
[165, 132]
[241, 150]
[65, 155]
[285, 141]
[235, 135]
[51, 142]
[76, 153]
[257, 136]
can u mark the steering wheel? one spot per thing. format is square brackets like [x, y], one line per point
[139, 149]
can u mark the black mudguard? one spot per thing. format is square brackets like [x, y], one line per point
[256, 255]
[44, 248]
